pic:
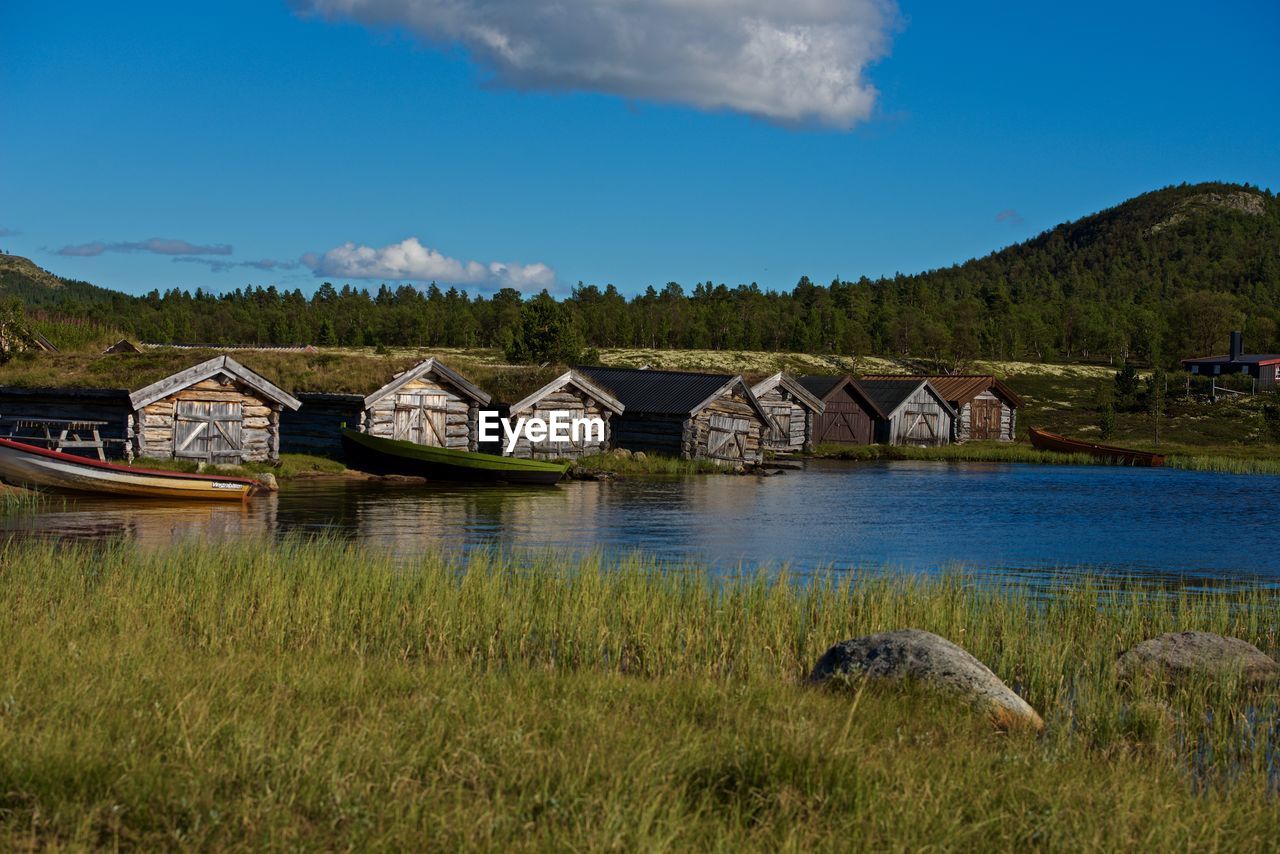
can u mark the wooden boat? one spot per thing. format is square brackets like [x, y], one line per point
[393, 456]
[1046, 441]
[40, 468]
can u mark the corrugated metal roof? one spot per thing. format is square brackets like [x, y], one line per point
[819, 386]
[888, 394]
[657, 392]
[958, 389]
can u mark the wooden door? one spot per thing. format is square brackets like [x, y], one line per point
[727, 437]
[984, 419]
[422, 419]
[921, 425]
[843, 422]
[208, 431]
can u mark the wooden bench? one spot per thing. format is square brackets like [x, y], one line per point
[57, 434]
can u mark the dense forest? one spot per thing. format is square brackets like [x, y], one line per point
[1163, 275]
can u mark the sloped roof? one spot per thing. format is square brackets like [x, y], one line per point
[802, 395]
[576, 379]
[1243, 359]
[823, 387]
[959, 389]
[650, 392]
[430, 366]
[205, 370]
[889, 394]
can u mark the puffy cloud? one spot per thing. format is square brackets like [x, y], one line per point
[155, 245]
[409, 260]
[787, 61]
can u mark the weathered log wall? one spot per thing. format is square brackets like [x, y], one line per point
[732, 414]
[458, 421]
[315, 428]
[795, 422]
[258, 421]
[921, 420]
[574, 404]
[68, 404]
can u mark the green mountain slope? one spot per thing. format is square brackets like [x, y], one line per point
[1166, 274]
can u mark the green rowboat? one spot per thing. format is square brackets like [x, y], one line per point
[393, 456]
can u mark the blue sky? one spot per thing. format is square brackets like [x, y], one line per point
[265, 142]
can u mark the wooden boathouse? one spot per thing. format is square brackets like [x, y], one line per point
[849, 416]
[428, 403]
[914, 412]
[688, 415]
[793, 410]
[1263, 367]
[986, 408]
[218, 411]
[569, 396]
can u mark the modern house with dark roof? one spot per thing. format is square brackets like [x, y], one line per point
[986, 408]
[848, 415]
[1264, 368]
[914, 413]
[678, 414]
[793, 410]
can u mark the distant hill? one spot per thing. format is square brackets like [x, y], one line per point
[1166, 274]
[38, 288]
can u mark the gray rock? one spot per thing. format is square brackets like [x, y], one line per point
[621, 452]
[929, 660]
[1181, 655]
[640, 456]
[268, 481]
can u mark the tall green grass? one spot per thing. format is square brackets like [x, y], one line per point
[320, 695]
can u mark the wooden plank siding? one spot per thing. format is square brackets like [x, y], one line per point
[66, 404]
[315, 428]
[920, 420]
[573, 403]
[986, 417]
[215, 420]
[727, 430]
[794, 422]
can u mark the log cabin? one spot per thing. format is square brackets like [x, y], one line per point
[914, 412]
[793, 410]
[688, 415]
[572, 396]
[430, 404]
[986, 408]
[218, 411]
[849, 416]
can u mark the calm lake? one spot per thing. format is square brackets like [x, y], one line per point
[990, 517]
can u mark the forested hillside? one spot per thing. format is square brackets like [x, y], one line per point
[1166, 274]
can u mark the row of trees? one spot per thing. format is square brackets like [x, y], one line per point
[1143, 281]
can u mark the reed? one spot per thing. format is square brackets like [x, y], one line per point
[324, 695]
[991, 452]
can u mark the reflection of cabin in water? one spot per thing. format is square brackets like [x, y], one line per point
[569, 396]
[218, 411]
[914, 412]
[687, 415]
[793, 410]
[985, 407]
[848, 416]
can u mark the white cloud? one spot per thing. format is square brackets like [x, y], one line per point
[787, 61]
[154, 245]
[409, 260]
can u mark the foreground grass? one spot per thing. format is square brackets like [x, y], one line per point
[316, 695]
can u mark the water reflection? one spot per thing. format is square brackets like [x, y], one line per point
[916, 516]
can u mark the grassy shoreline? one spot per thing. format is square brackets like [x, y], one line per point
[313, 694]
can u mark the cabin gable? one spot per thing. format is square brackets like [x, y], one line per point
[219, 419]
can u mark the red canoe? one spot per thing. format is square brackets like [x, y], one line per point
[1046, 441]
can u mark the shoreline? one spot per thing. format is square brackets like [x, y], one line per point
[308, 690]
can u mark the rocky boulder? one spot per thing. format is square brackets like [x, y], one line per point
[929, 660]
[1178, 656]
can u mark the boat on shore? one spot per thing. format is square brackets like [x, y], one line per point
[394, 456]
[1046, 441]
[40, 468]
